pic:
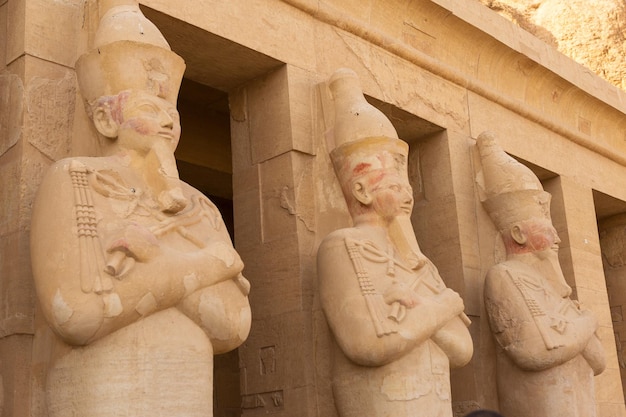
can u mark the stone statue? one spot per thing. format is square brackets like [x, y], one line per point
[547, 349]
[134, 269]
[397, 328]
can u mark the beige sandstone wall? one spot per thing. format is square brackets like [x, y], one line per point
[442, 70]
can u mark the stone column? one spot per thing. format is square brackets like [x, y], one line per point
[273, 198]
[613, 243]
[38, 44]
[444, 220]
[573, 215]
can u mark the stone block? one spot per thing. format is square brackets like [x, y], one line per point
[11, 109]
[227, 397]
[15, 371]
[239, 129]
[16, 30]
[3, 28]
[278, 209]
[275, 274]
[16, 286]
[323, 359]
[50, 117]
[275, 29]
[573, 209]
[34, 166]
[246, 207]
[426, 95]
[301, 108]
[610, 409]
[275, 366]
[607, 337]
[10, 179]
[268, 109]
[587, 268]
[52, 30]
[596, 300]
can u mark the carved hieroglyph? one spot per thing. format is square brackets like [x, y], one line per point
[134, 269]
[547, 349]
[397, 328]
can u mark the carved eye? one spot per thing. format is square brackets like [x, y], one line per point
[173, 113]
[395, 187]
[148, 109]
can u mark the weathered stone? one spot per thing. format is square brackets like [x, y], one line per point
[51, 115]
[592, 36]
[11, 110]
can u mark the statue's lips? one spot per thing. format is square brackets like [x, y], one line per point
[166, 135]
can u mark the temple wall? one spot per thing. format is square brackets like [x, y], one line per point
[442, 71]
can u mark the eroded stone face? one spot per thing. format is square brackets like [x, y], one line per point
[397, 328]
[134, 269]
[548, 349]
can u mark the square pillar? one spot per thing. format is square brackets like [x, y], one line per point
[573, 215]
[273, 199]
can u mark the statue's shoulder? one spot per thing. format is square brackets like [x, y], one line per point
[340, 236]
[500, 275]
[58, 177]
[63, 167]
[190, 192]
[502, 268]
[511, 277]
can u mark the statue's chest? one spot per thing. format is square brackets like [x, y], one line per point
[116, 203]
[377, 270]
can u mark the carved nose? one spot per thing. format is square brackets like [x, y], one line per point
[408, 195]
[166, 120]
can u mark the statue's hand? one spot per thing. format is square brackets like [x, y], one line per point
[452, 301]
[401, 293]
[135, 242]
[590, 319]
[594, 355]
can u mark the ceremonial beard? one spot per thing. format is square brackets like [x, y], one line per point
[548, 266]
[403, 237]
[162, 176]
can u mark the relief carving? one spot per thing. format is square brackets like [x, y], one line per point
[547, 347]
[397, 328]
[134, 269]
[50, 113]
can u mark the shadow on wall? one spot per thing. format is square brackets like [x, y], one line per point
[483, 413]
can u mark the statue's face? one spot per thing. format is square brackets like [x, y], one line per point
[541, 236]
[392, 196]
[147, 120]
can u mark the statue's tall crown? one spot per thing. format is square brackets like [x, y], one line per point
[129, 53]
[510, 191]
[365, 139]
